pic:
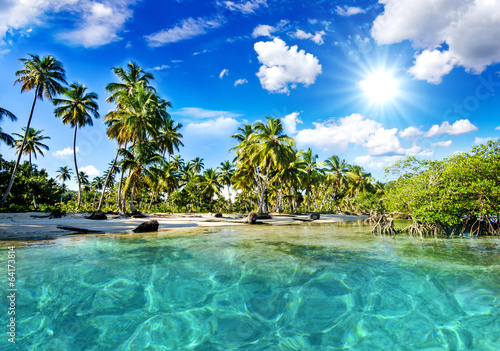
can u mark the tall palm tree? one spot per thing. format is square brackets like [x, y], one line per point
[33, 142]
[226, 172]
[45, 76]
[310, 172]
[337, 171]
[359, 180]
[77, 109]
[6, 138]
[169, 137]
[64, 175]
[96, 185]
[128, 78]
[197, 164]
[210, 185]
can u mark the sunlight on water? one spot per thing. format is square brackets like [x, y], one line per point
[257, 288]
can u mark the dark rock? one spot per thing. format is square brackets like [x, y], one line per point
[139, 215]
[149, 226]
[264, 216]
[313, 216]
[57, 213]
[252, 217]
[218, 215]
[97, 216]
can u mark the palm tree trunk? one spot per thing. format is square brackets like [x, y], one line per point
[101, 201]
[13, 177]
[132, 208]
[76, 170]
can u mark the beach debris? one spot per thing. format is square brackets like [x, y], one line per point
[149, 226]
[217, 215]
[57, 213]
[97, 216]
[79, 230]
[313, 216]
[138, 215]
[302, 219]
[252, 217]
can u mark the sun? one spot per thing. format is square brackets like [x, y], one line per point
[380, 87]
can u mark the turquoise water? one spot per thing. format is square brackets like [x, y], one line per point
[256, 288]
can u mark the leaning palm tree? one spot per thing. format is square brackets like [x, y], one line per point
[77, 109]
[64, 175]
[6, 138]
[45, 76]
[33, 142]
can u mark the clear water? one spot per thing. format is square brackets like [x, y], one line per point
[256, 288]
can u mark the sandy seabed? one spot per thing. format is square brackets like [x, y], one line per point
[31, 226]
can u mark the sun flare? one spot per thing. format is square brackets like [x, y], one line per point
[380, 87]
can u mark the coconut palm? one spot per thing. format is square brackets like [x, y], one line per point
[45, 76]
[128, 78]
[33, 143]
[210, 185]
[84, 178]
[6, 138]
[336, 174]
[64, 175]
[309, 170]
[169, 137]
[359, 180]
[96, 186]
[226, 172]
[77, 109]
[197, 164]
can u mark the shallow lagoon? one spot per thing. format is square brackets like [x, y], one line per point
[310, 287]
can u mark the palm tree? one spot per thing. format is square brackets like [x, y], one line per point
[6, 138]
[210, 185]
[169, 137]
[33, 142]
[128, 79]
[226, 172]
[268, 148]
[310, 172]
[77, 109]
[64, 175]
[337, 174]
[84, 178]
[197, 164]
[359, 180]
[96, 186]
[45, 76]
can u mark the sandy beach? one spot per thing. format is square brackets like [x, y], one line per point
[31, 226]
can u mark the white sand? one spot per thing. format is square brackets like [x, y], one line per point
[22, 226]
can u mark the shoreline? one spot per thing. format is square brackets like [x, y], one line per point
[24, 227]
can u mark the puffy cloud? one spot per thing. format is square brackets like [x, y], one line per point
[96, 23]
[160, 68]
[62, 154]
[376, 163]
[213, 129]
[245, 7]
[264, 30]
[283, 65]
[200, 113]
[225, 72]
[290, 123]
[410, 132]
[240, 82]
[497, 128]
[349, 10]
[469, 28]
[383, 142]
[459, 127]
[91, 171]
[432, 65]
[187, 29]
[317, 37]
[443, 143]
[478, 141]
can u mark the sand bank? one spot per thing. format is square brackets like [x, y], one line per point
[23, 226]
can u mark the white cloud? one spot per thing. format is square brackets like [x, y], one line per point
[290, 123]
[410, 132]
[349, 11]
[199, 113]
[443, 143]
[213, 129]
[432, 65]
[245, 7]
[264, 30]
[100, 24]
[91, 171]
[482, 140]
[376, 163]
[469, 28]
[283, 65]
[201, 52]
[187, 29]
[62, 154]
[240, 82]
[317, 37]
[459, 127]
[160, 68]
[224, 72]
[497, 128]
[384, 141]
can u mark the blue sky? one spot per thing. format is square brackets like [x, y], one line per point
[369, 81]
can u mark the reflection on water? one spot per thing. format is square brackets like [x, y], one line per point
[258, 288]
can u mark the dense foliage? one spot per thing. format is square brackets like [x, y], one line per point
[458, 194]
